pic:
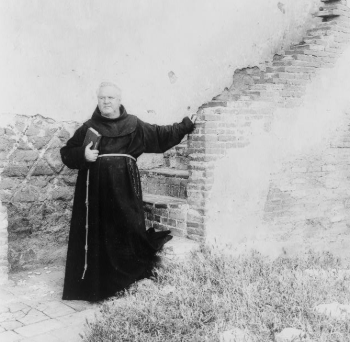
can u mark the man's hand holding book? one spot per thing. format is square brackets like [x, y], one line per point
[90, 155]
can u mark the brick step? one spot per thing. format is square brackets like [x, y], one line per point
[163, 202]
[165, 182]
[166, 213]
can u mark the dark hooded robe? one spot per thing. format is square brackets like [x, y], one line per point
[120, 250]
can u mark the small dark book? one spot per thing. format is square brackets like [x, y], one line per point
[92, 136]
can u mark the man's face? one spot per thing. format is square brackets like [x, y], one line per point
[109, 101]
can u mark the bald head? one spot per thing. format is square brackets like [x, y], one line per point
[109, 84]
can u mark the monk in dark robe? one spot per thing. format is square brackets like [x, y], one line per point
[119, 249]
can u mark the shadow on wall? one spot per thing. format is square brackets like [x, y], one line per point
[244, 178]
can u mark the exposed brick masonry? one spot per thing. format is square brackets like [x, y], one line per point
[309, 188]
[37, 189]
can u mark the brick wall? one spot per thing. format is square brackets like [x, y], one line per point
[164, 182]
[221, 126]
[310, 195]
[166, 216]
[38, 190]
[247, 109]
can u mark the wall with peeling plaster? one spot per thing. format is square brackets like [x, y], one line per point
[169, 57]
[305, 157]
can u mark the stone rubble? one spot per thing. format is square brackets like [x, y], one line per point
[4, 267]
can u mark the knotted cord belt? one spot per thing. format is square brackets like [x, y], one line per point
[87, 203]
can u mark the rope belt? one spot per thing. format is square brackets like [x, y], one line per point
[117, 155]
[87, 203]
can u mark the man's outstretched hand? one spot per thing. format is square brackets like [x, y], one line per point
[90, 155]
[194, 118]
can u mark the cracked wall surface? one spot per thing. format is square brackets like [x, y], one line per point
[170, 57]
[286, 189]
[36, 188]
[170, 80]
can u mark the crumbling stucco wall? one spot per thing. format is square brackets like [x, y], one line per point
[168, 57]
[289, 189]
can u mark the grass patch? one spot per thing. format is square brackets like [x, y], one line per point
[213, 292]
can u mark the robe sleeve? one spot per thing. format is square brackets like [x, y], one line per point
[158, 139]
[73, 154]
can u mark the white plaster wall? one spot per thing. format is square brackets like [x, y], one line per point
[54, 53]
[242, 178]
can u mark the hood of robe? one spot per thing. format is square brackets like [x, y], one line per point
[112, 128]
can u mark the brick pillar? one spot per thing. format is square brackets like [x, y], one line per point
[204, 148]
[3, 245]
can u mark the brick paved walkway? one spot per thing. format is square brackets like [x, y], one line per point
[31, 308]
